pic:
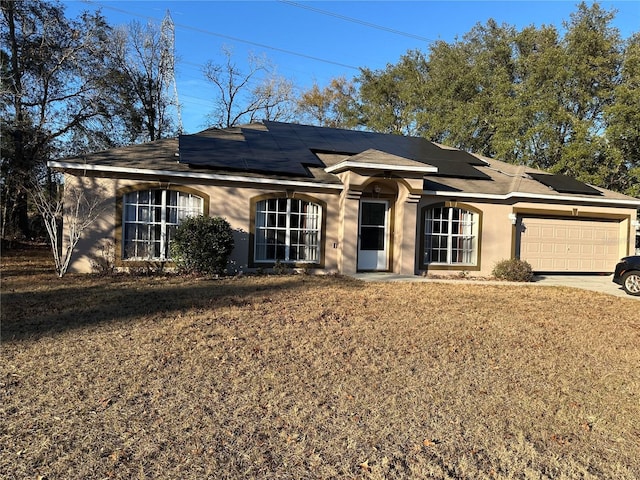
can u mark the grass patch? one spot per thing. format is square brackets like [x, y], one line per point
[313, 377]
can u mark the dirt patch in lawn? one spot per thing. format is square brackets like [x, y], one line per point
[313, 377]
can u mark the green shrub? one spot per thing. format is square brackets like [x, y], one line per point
[202, 245]
[513, 270]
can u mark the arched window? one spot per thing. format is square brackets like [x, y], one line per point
[149, 219]
[450, 236]
[287, 230]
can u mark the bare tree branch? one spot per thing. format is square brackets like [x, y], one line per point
[78, 208]
[237, 102]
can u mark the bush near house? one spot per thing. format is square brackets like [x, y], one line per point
[202, 245]
[513, 270]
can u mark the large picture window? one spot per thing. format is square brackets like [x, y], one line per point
[450, 236]
[150, 218]
[287, 230]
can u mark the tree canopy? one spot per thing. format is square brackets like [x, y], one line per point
[71, 86]
[246, 96]
[566, 101]
[51, 98]
[141, 75]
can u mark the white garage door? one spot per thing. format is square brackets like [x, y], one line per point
[569, 245]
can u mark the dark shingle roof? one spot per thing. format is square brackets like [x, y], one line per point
[308, 154]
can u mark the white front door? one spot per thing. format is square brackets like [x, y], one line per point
[373, 238]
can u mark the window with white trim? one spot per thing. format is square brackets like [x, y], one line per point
[450, 236]
[287, 230]
[150, 218]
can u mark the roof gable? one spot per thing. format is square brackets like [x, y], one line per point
[376, 160]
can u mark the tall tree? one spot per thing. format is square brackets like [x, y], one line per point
[622, 120]
[470, 89]
[540, 119]
[140, 81]
[566, 103]
[390, 99]
[51, 95]
[330, 106]
[591, 71]
[246, 96]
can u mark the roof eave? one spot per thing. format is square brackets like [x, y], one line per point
[632, 203]
[191, 175]
[350, 165]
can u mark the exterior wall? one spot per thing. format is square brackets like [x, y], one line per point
[496, 236]
[96, 242]
[406, 230]
[348, 232]
[493, 236]
[403, 195]
[230, 202]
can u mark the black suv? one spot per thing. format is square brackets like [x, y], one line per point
[627, 274]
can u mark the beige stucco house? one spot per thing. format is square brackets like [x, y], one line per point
[345, 201]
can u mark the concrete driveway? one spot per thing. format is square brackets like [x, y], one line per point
[597, 283]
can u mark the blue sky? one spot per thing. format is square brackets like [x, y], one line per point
[317, 41]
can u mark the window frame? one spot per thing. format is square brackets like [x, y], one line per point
[121, 217]
[286, 230]
[476, 235]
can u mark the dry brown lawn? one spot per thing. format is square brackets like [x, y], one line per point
[300, 377]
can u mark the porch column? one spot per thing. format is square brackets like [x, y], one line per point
[407, 255]
[348, 255]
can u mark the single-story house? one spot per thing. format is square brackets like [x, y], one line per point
[346, 201]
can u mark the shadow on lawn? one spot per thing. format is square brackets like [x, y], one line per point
[35, 314]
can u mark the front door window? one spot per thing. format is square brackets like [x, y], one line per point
[373, 236]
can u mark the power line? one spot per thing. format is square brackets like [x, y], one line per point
[228, 37]
[356, 20]
[262, 45]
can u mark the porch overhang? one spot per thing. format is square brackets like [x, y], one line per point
[375, 160]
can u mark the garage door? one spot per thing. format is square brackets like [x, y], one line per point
[569, 245]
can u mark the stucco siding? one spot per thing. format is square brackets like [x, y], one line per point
[96, 241]
[230, 202]
[496, 232]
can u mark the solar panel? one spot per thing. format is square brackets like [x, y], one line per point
[287, 149]
[450, 163]
[216, 153]
[433, 186]
[564, 184]
[462, 156]
[212, 153]
[457, 169]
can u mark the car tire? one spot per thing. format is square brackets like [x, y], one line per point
[631, 283]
